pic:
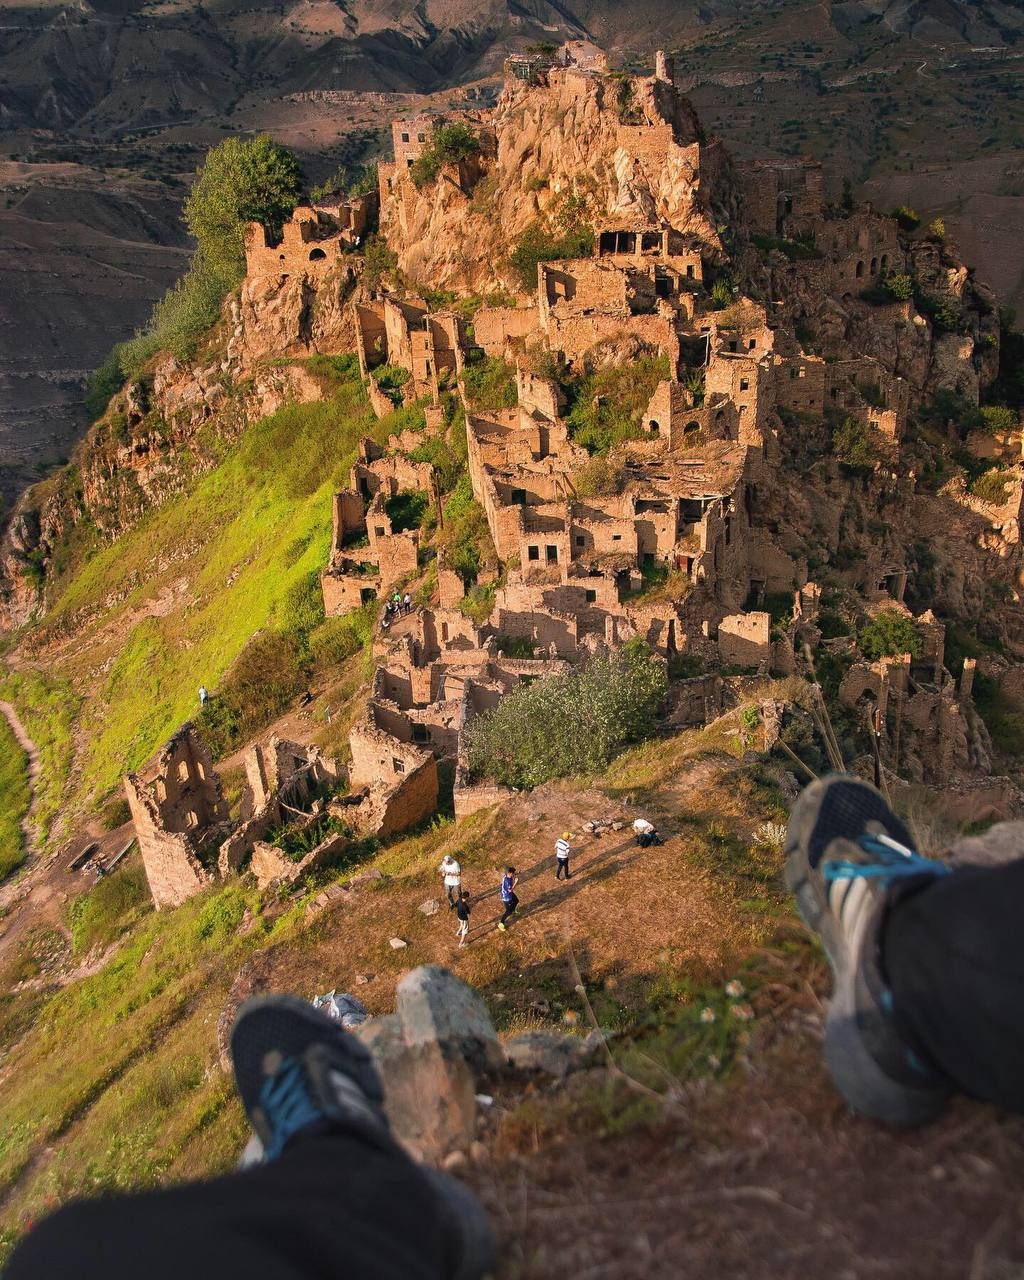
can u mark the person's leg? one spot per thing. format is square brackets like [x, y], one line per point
[559, 868]
[505, 914]
[849, 859]
[451, 897]
[954, 955]
[334, 1196]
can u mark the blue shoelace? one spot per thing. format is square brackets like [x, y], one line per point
[896, 862]
[287, 1105]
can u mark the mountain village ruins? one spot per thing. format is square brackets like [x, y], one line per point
[696, 504]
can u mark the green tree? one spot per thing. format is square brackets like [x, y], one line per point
[572, 723]
[857, 445]
[888, 634]
[242, 180]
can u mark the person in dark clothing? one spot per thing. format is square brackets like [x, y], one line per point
[508, 896]
[927, 959]
[462, 910]
[335, 1195]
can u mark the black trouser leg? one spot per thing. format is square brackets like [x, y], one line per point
[509, 909]
[331, 1206]
[563, 865]
[451, 896]
[954, 955]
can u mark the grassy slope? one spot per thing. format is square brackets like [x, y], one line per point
[190, 585]
[142, 1099]
[14, 799]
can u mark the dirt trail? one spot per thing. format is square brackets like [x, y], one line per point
[34, 768]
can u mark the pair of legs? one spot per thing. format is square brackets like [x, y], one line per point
[453, 893]
[928, 967]
[511, 907]
[561, 864]
[463, 932]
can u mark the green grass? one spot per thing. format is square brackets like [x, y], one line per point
[15, 798]
[210, 569]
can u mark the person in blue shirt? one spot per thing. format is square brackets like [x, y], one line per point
[508, 896]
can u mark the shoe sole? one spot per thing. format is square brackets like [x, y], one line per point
[289, 1026]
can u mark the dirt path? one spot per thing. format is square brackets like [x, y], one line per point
[30, 750]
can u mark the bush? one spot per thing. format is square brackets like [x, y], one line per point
[857, 445]
[569, 724]
[537, 245]
[908, 219]
[993, 487]
[490, 384]
[937, 229]
[391, 378]
[998, 419]
[407, 509]
[888, 634]
[465, 534]
[598, 478]
[449, 144]
[103, 383]
[180, 319]
[380, 261]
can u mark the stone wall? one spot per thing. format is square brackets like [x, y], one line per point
[744, 639]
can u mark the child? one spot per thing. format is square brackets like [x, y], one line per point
[462, 910]
[562, 851]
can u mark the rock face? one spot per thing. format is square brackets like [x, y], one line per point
[436, 1007]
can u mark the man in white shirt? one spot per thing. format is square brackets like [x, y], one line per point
[452, 873]
[645, 833]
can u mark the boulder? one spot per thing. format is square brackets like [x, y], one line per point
[430, 908]
[547, 1052]
[396, 944]
[436, 1007]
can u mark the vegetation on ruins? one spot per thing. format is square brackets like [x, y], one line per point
[992, 486]
[608, 402]
[379, 261]
[539, 244]
[490, 384]
[857, 445]
[348, 182]
[250, 180]
[406, 509]
[888, 634]
[391, 378]
[572, 723]
[449, 144]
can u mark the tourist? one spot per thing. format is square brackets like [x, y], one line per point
[462, 910]
[644, 833]
[204, 696]
[407, 603]
[508, 896]
[562, 851]
[451, 872]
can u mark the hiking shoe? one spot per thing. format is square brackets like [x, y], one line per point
[298, 1071]
[502, 927]
[848, 859]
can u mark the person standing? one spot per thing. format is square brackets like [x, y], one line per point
[562, 852]
[462, 910]
[509, 899]
[452, 873]
[204, 696]
[407, 603]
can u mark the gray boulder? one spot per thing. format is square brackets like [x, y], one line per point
[435, 1007]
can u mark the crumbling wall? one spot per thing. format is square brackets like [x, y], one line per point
[744, 639]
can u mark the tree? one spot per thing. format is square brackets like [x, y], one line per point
[857, 445]
[252, 180]
[888, 634]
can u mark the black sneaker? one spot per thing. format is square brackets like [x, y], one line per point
[848, 857]
[299, 1072]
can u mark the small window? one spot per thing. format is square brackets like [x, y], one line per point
[551, 554]
[616, 537]
[792, 372]
[751, 344]
[397, 765]
[420, 733]
[689, 271]
[744, 384]
[655, 428]
[803, 372]
[391, 183]
[743, 409]
[860, 269]
[444, 632]
[591, 597]
[183, 771]
[421, 137]
[874, 266]
[533, 553]
[518, 497]
[405, 137]
[380, 531]
[581, 540]
[367, 595]
[192, 818]
[200, 770]
[408, 164]
[317, 255]
[733, 344]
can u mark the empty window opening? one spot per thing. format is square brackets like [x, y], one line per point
[420, 733]
[650, 242]
[654, 427]
[533, 553]
[518, 497]
[591, 597]
[860, 269]
[444, 632]
[751, 344]
[744, 384]
[367, 595]
[581, 540]
[616, 537]
[317, 255]
[380, 531]
[421, 137]
[397, 765]
[183, 771]
[689, 271]
[192, 818]
[874, 265]
[551, 554]
[405, 137]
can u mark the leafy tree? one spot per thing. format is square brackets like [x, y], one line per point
[908, 219]
[250, 180]
[888, 634]
[572, 723]
[380, 261]
[449, 143]
[857, 445]
[538, 244]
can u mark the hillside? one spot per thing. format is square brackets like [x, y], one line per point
[698, 480]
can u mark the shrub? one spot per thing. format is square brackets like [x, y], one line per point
[537, 245]
[908, 219]
[997, 418]
[406, 509]
[992, 487]
[888, 634]
[598, 478]
[465, 533]
[569, 724]
[721, 295]
[490, 384]
[857, 445]
[391, 378]
[449, 143]
[937, 229]
[102, 383]
[379, 259]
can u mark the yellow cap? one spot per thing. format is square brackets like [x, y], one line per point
[565, 835]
